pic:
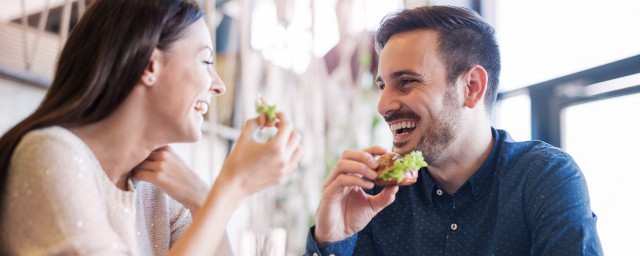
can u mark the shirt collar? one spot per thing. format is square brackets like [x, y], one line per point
[479, 181]
[429, 184]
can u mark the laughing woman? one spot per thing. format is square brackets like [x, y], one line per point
[134, 76]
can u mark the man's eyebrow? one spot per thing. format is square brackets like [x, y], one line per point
[400, 73]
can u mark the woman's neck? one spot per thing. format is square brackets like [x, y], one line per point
[118, 144]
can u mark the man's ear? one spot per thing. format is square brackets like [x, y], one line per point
[476, 86]
[152, 71]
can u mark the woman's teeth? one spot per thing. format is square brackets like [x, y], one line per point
[202, 107]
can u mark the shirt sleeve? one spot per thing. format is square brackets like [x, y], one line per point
[338, 248]
[181, 220]
[559, 210]
[365, 244]
[53, 205]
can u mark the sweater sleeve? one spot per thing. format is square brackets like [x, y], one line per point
[180, 220]
[53, 204]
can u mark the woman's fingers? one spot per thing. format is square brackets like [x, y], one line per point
[285, 128]
[294, 160]
[248, 129]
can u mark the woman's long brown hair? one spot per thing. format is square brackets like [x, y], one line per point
[103, 59]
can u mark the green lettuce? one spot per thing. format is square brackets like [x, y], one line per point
[411, 161]
[270, 110]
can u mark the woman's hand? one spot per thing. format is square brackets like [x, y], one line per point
[250, 167]
[165, 169]
[253, 166]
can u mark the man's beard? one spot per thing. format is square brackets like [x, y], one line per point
[442, 130]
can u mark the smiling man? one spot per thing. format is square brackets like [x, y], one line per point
[482, 193]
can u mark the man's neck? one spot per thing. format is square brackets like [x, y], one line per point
[463, 159]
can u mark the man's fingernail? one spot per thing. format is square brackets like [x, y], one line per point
[372, 161]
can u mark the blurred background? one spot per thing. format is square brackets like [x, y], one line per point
[571, 77]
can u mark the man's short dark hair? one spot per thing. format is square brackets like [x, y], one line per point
[465, 40]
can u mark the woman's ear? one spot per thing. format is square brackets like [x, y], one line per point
[476, 87]
[151, 72]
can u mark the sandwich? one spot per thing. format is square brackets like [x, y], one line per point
[396, 170]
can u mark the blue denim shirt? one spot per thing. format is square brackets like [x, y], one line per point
[527, 198]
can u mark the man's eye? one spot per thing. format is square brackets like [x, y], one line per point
[380, 86]
[407, 81]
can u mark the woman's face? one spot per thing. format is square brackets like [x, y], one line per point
[185, 83]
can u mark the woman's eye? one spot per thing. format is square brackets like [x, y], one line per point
[208, 62]
[380, 86]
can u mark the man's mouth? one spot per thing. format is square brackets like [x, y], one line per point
[202, 107]
[403, 127]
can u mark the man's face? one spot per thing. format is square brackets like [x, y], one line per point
[421, 108]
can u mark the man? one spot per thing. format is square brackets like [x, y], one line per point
[482, 193]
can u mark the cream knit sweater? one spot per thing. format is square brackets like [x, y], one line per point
[59, 201]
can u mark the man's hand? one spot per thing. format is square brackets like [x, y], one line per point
[345, 208]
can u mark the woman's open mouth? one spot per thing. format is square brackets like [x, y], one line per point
[202, 107]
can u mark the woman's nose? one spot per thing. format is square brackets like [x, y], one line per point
[217, 86]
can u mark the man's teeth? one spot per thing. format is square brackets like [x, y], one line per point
[202, 107]
[401, 125]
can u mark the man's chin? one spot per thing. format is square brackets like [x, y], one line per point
[403, 147]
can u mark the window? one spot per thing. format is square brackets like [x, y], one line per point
[606, 148]
[513, 114]
[544, 39]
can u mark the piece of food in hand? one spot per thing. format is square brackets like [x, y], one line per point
[396, 170]
[267, 120]
[267, 112]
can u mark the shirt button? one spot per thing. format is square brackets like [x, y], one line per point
[454, 226]
[315, 254]
[439, 192]
[332, 254]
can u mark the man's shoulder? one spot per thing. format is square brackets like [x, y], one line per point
[527, 152]
[534, 158]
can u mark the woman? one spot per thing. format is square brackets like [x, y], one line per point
[134, 76]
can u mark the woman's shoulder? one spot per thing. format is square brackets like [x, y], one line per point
[47, 141]
[50, 134]
[51, 147]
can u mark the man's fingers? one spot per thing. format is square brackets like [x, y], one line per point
[352, 168]
[343, 181]
[360, 156]
[375, 150]
[383, 199]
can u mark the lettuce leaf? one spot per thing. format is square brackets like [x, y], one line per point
[270, 110]
[411, 161]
